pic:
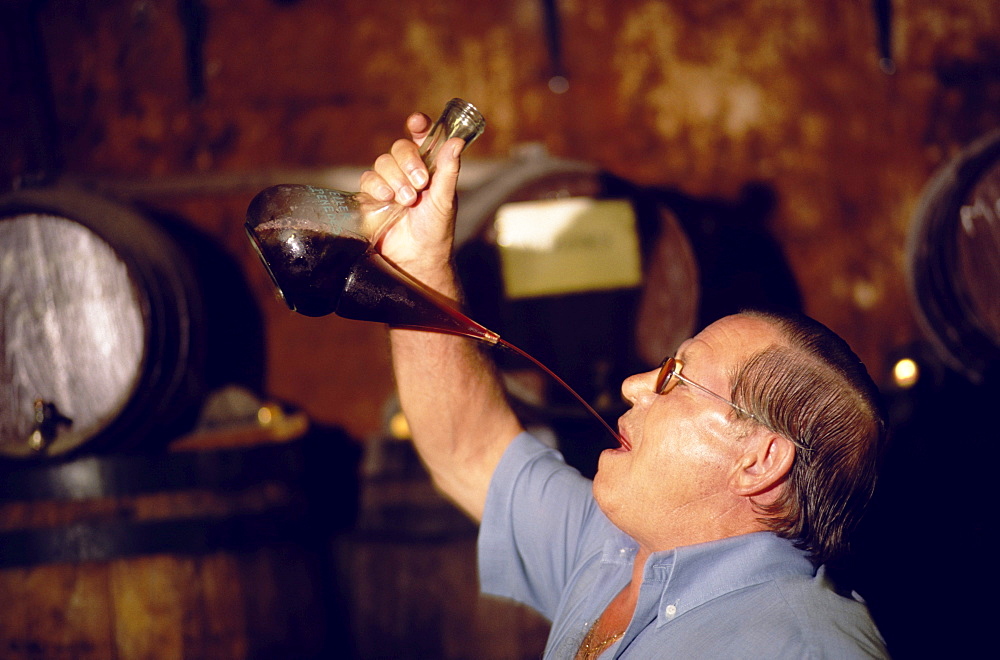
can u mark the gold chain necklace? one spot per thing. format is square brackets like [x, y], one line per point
[590, 648]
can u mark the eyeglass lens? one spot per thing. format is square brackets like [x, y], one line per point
[665, 378]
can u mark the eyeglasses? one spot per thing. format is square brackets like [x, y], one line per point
[670, 374]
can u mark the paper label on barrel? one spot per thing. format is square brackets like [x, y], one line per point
[561, 246]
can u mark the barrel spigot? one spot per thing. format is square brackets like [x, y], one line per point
[48, 420]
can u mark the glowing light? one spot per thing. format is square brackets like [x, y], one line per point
[265, 415]
[906, 373]
[399, 427]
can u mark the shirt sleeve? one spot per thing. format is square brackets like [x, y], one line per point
[538, 516]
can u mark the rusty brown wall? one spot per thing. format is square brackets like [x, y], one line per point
[703, 96]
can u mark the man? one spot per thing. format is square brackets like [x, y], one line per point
[745, 461]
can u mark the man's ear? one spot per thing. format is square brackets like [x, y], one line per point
[763, 464]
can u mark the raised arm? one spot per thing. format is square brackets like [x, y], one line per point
[449, 390]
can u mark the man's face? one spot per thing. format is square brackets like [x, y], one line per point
[673, 487]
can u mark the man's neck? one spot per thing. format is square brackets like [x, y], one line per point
[638, 567]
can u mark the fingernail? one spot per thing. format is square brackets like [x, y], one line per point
[406, 194]
[419, 177]
[384, 193]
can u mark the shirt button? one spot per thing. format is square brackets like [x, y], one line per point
[671, 610]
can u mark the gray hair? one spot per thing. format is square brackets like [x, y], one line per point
[816, 392]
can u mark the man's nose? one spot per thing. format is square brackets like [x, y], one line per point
[639, 385]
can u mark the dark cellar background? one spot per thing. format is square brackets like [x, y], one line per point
[796, 145]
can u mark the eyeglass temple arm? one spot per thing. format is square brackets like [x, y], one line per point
[724, 399]
[717, 396]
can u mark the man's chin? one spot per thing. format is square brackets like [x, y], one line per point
[604, 482]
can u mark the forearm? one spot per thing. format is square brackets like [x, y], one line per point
[456, 407]
[451, 396]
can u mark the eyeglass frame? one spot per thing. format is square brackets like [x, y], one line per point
[669, 374]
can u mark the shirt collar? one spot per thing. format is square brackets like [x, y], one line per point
[692, 575]
[702, 572]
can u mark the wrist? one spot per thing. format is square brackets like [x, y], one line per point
[437, 276]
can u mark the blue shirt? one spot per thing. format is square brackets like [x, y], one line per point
[544, 542]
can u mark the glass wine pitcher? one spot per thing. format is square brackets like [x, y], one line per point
[319, 246]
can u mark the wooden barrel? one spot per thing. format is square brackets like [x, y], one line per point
[106, 325]
[184, 555]
[954, 259]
